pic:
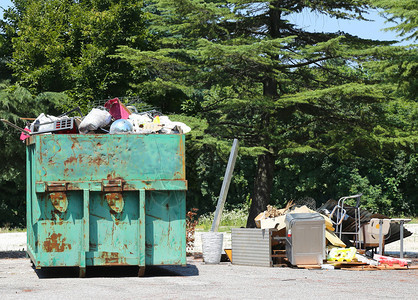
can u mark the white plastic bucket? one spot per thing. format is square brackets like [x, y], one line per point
[212, 247]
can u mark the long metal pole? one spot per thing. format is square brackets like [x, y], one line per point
[225, 186]
[401, 238]
[380, 237]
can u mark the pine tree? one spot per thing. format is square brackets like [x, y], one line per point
[404, 14]
[281, 90]
[16, 102]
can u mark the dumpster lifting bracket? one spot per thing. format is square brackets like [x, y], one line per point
[141, 224]
[57, 195]
[85, 236]
[113, 194]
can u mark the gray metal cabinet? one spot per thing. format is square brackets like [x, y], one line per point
[305, 242]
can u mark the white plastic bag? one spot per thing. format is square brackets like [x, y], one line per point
[138, 121]
[47, 120]
[168, 125]
[140, 118]
[95, 119]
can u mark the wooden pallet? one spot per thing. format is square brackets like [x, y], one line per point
[309, 267]
[377, 268]
[279, 258]
[346, 264]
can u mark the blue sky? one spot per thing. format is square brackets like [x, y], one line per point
[315, 22]
[320, 23]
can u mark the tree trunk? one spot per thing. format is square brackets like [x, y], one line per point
[263, 184]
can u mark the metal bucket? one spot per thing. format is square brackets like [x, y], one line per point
[212, 247]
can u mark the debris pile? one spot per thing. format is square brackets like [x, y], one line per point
[338, 251]
[273, 212]
[112, 118]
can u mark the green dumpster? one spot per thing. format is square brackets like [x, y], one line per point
[106, 200]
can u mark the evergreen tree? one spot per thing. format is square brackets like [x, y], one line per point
[283, 91]
[404, 14]
[16, 102]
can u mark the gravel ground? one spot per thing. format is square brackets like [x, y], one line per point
[198, 280]
[18, 279]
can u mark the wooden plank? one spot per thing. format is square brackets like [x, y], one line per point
[334, 239]
[393, 267]
[308, 266]
[346, 263]
[382, 267]
[279, 251]
[361, 268]
[356, 263]
[413, 267]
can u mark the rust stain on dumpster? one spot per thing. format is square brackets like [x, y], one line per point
[126, 226]
[112, 258]
[97, 161]
[70, 160]
[55, 243]
[182, 154]
[75, 143]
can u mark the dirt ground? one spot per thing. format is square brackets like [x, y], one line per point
[18, 279]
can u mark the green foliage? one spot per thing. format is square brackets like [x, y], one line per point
[387, 187]
[16, 102]
[234, 218]
[251, 74]
[64, 46]
[206, 161]
[404, 14]
[337, 114]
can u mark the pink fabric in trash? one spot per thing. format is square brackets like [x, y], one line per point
[24, 136]
[117, 109]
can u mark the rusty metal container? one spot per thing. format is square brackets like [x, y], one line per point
[106, 200]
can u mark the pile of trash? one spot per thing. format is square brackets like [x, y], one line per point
[275, 218]
[112, 118]
[303, 251]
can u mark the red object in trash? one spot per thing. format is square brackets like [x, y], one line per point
[390, 260]
[117, 109]
[24, 136]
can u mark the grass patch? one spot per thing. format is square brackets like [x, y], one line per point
[234, 218]
[413, 221]
[7, 229]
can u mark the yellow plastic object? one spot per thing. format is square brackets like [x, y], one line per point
[229, 254]
[342, 254]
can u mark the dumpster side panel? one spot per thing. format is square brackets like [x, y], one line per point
[113, 236]
[30, 183]
[75, 216]
[97, 157]
[59, 234]
[165, 228]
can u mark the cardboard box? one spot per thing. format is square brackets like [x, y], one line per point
[277, 222]
[334, 239]
[261, 216]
